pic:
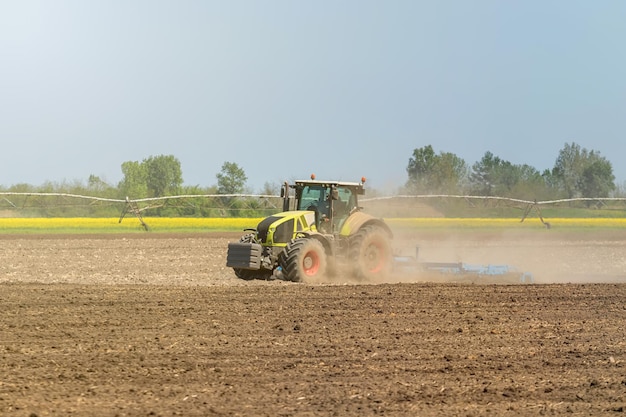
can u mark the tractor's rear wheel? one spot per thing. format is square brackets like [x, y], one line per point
[303, 260]
[370, 252]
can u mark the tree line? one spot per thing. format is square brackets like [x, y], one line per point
[155, 176]
[577, 172]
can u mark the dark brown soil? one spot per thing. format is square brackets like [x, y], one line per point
[129, 326]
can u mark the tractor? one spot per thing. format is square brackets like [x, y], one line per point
[320, 232]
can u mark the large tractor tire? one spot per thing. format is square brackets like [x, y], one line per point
[371, 254]
[246, 274]
[304, 260]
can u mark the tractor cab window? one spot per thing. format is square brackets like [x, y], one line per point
[313, 197]
[331, 204]
[344, 204]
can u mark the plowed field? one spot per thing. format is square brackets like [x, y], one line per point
[150, 324]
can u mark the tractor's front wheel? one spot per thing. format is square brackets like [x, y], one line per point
[304, 260]
[245, 274]
[250, 274]
[371, 254]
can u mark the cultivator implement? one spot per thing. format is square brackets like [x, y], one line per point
[461, 272]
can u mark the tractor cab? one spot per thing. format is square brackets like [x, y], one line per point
[332, 201]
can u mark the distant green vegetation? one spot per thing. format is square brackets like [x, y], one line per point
[577, 173]
[154, 177]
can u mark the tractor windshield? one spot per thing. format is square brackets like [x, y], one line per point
[312, 196]
[318, 198]
[345, 203]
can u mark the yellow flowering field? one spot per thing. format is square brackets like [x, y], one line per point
[129, 224]
[180, 224]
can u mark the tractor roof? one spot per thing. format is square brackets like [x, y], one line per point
[329, 183]
[355, 185]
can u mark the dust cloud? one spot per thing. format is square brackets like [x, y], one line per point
[538, 256]
[550, 256]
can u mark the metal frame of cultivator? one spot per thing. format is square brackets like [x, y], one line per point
[460, 271]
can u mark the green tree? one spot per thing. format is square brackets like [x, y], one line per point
[450, 173]
[568, 168]
[492, 176]
[420, 168]
[583, 173]
[133, 183]
[597, 179]
[530, 184]
[484, 175]
[163, 175]
[156, 176]
[435, 173]
[231, 179]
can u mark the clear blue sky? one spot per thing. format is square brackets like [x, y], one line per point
[284, 88]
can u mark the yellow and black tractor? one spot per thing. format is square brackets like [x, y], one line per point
[320, 232]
